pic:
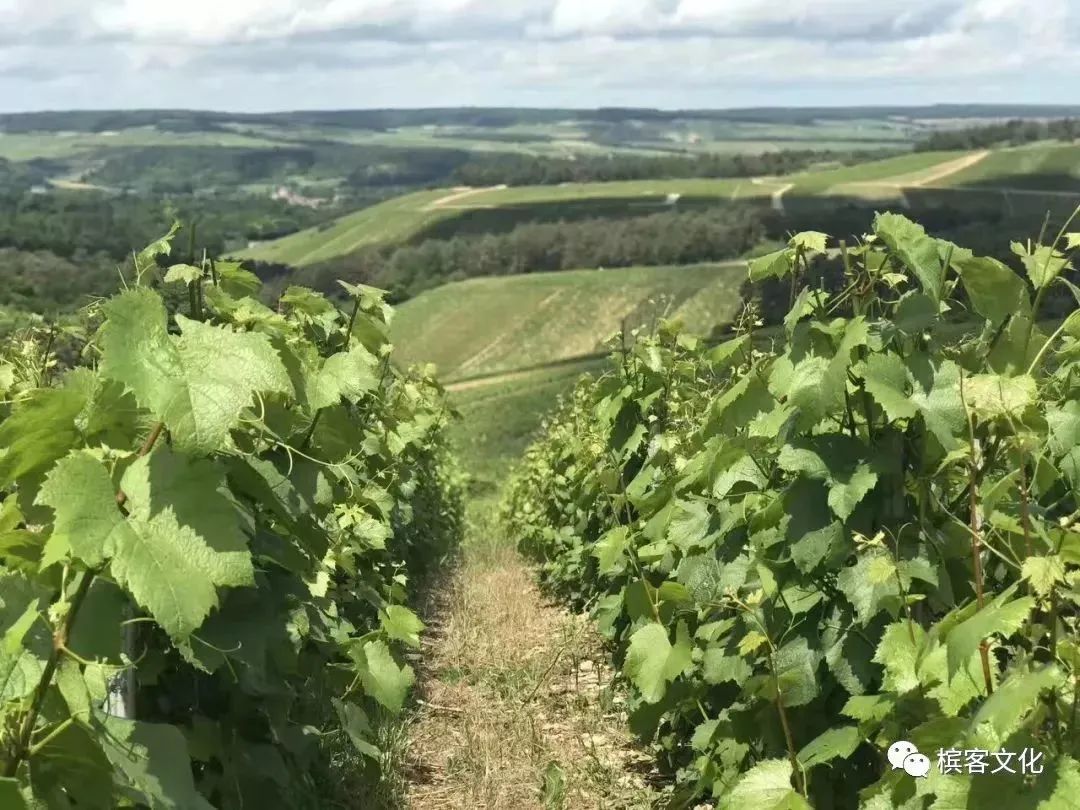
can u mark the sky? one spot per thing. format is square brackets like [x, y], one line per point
[258, 55]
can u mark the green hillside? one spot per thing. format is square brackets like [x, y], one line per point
[404, 217]
[495, 325]
[1042, 167]
[501, 417]
[1038, 167]
[391, 221]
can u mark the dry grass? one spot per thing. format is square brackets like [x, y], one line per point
[516, 709]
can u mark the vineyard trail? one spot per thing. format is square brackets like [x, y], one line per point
[515, 706]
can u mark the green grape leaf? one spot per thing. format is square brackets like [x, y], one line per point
[869, 708]
[689, 525]
[26, 641]
[836, 743]
[20, 668]
[703, 735]
[918, 252]
[766, 786]
[834, 460]
[1017, 695]
[74, 761]
[383, 679]
[236, 281]
[652, 661]
[866, 595]
[610, 550]
[810, 240]
[199, 383]
[1043, 264]
[771, 265]
[991, 396]
[796, 672]
[813, 548]
[885, 378]
[348, 374]
[357, 726]
[849, 655]
[151, 759]
[941, 406]
[720, 668]
[898, 652]
[846, 494]
[953, 693]
[184, 274]
[402, 624]
[1001, 617]
[1044, 572]
[996, 292]
[180, 542]
[82, 495]
[40, 430]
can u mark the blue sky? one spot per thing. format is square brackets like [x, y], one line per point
[305, 54]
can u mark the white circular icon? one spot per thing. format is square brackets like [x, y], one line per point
[917, 765]
[899, 751]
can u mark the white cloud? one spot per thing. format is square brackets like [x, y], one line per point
[249, 54]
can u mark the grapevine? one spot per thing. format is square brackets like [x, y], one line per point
[209, 530]
[860, 528]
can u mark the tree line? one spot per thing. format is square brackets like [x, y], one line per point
[1016, 132]
[521, 170]
[657, 239]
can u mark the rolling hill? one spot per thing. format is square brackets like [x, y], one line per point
[508, 347]
[501, 325]
[404, 217]
[1043, 168]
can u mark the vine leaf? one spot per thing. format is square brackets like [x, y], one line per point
[720, 668]
[899, 654]
[184, 274]
[766, 786]
[382, 678]
[939, 401]
[1043, 263]
[996, 292]
[358, 727]
[152, 759]
[197, 383]
[180, 542]
[402, 624]
[652, 661]
[39, 431]
[1000, 616]
[836, 743]
[20, 668]
[867, 595]
[348, 374]
[610, 549]
[1044, 573]
[88, 523]
[1001, 713]
[885, 378]
[991, 396]
[919, 252]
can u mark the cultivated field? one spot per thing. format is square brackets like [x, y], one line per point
[405, 217]
[500, 325]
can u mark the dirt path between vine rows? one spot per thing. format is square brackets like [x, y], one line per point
[516, 707]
